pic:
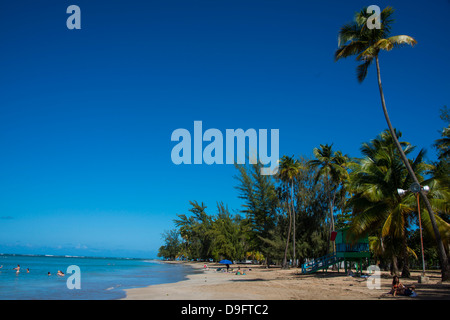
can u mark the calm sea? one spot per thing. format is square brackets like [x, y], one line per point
[101, 278]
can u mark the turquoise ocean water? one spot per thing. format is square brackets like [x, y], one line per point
[101, 278]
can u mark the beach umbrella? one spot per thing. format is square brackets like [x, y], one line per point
[225, 262]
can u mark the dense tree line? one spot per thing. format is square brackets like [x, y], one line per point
[259, 230]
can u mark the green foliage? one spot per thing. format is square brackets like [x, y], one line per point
[172, 244]
[333, 167]
[311, 208]
[228, 234]
[194, 231]
[377, 207]
[355, 39]
[443, 145]
[260, 207]
[206, 236]
[289, 168]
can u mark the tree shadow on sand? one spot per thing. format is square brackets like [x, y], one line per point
[424, 291]
[248, 280]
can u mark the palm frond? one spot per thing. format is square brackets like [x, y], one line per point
[395, 41]
[348, 32]
[387, 20]
[412, 253]
[362, 69]
[351, 49]
[384, 44]
[443, 226]
[361, 17]
[356, 39]
[386, 230]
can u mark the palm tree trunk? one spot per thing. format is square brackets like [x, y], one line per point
[332, 218]
[285, 266]
[293, 222]
[394, 266]
[330, 205]
[445, 266]
[405, 269]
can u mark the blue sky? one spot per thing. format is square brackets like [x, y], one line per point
[86, 115]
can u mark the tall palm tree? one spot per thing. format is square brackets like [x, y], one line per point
[324, 161]
[289, 168]
[343, 163]
[332, 166]
[356, 38]
[377, 207]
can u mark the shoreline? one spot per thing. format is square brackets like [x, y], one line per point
[274, 283]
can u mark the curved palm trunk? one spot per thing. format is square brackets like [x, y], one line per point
[445, 268]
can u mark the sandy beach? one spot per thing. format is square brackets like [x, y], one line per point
[260, 283]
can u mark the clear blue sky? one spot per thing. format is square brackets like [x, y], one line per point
[86, 115]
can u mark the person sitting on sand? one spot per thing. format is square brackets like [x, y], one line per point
[399, 288]
[239, 272]
[60, 273]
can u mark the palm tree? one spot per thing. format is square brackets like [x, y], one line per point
[289, 168]
[332, 166]
[343, 163]
[324, 158]
[439, 183]
[443, 144]
[439, 195]
[376, 204]
[356, 38]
